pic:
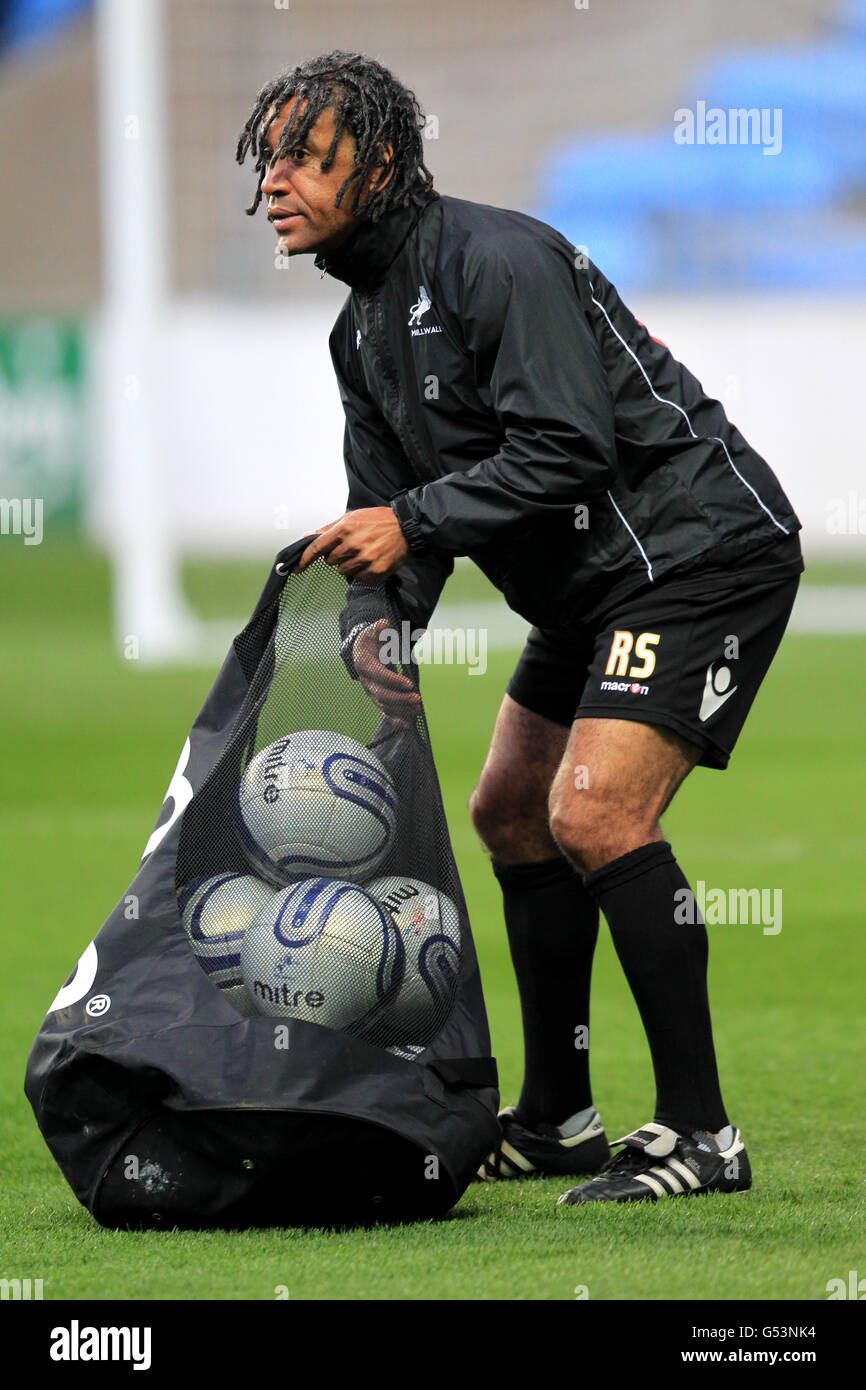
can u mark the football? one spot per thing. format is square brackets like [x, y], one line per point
[429, 927]
[326, 952]
[216, 912]
[316, 802]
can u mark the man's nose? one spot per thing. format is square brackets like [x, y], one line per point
[274, 181]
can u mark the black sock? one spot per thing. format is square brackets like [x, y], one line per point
[552, 926]
[665, 963]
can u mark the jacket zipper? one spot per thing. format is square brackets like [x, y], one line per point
[400, 422]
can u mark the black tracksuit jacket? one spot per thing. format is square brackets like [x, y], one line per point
[501, 396]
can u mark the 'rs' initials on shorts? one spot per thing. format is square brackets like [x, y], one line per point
[688, 652]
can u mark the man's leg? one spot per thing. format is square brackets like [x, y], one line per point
[671, 680]
[551, 920]
[607, 823]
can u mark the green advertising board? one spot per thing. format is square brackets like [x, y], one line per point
[43, 419]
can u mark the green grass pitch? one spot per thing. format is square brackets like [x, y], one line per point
[90, 743]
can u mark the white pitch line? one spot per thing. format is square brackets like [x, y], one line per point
[825, 608]
[819, 610]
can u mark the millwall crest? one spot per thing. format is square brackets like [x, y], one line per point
[417, 312]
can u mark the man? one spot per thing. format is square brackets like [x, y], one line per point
[502, 403]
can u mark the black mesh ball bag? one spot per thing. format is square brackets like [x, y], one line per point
[281, 1022]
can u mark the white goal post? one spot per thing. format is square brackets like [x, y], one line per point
[151, 619]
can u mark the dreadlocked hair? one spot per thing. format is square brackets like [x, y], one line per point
[369, 103]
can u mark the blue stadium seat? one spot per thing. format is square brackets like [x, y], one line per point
[660, 214]
[28, 22]
[822, 96]
[850, 20]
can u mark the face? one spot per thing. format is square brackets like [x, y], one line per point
[300, 197]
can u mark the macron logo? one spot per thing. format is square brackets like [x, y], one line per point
[76, 1343]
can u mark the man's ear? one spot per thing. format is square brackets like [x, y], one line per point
[384, 168]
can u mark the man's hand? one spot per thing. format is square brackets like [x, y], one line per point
[365, 544]
[394, 694]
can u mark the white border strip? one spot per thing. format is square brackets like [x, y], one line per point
[649, 568]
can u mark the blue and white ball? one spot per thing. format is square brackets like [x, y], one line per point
[216, 912]
[429, 926]
[316, 802]
[326, 952]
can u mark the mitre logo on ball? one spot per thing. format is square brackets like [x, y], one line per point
[429, 926]
[325, 951]
[316, 802]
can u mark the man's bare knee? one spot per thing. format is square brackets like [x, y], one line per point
[513, 829]
[593, 831]
[509, 805]
[628, 773]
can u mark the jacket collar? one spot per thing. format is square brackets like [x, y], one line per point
[363, 259]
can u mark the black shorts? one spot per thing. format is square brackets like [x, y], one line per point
[689, 653]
